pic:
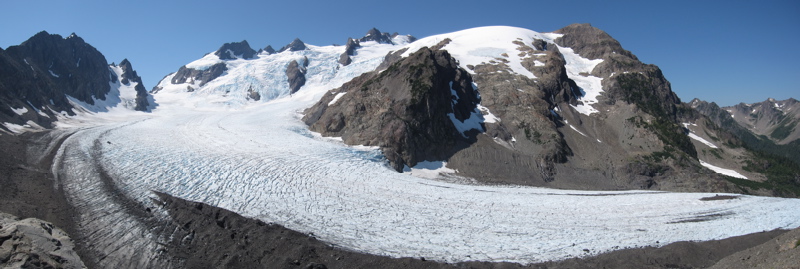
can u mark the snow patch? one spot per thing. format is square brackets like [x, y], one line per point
[204, 63]
[488, 117]
[336, 98]
[428, 169]
[19, 111]
[576, 129]
[52, 73]
[485, 44]
[701, 140]
[589, 86]
[720, 170]
[18, 129]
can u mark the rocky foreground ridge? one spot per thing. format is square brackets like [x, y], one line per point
[34, 243]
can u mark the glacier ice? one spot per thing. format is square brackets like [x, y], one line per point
[260, 160]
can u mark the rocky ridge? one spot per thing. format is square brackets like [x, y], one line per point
[777, 120]
[39, 76]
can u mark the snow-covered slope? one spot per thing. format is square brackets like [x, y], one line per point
[491, 44]
[265, 74]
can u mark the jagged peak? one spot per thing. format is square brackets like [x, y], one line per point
[296, 45]
[376, 35]
[590, 41]
[125, 63]
[234, 50]
[43, 33]
[373, 31]
[268, 50]
[44, 36]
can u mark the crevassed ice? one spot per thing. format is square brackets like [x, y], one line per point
[261, 161]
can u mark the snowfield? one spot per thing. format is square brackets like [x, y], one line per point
[259, 160]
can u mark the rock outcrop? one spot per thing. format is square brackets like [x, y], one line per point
[350, 50]
[296, 72]
[34, 243]
[408, 110]
[198, 77]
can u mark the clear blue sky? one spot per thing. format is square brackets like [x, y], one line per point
[721, 51]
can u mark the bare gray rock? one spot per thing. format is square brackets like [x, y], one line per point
[34, 243]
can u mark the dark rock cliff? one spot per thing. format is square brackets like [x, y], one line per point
[403, 110]
[40, 73]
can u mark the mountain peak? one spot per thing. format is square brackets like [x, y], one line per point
[235, 50]
[268, 49]
[296, 45]
[376, 35]
[590, 42]
[125, 63]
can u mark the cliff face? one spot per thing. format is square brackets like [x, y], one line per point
[410, 110]
[48, 76]
[38, 74]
